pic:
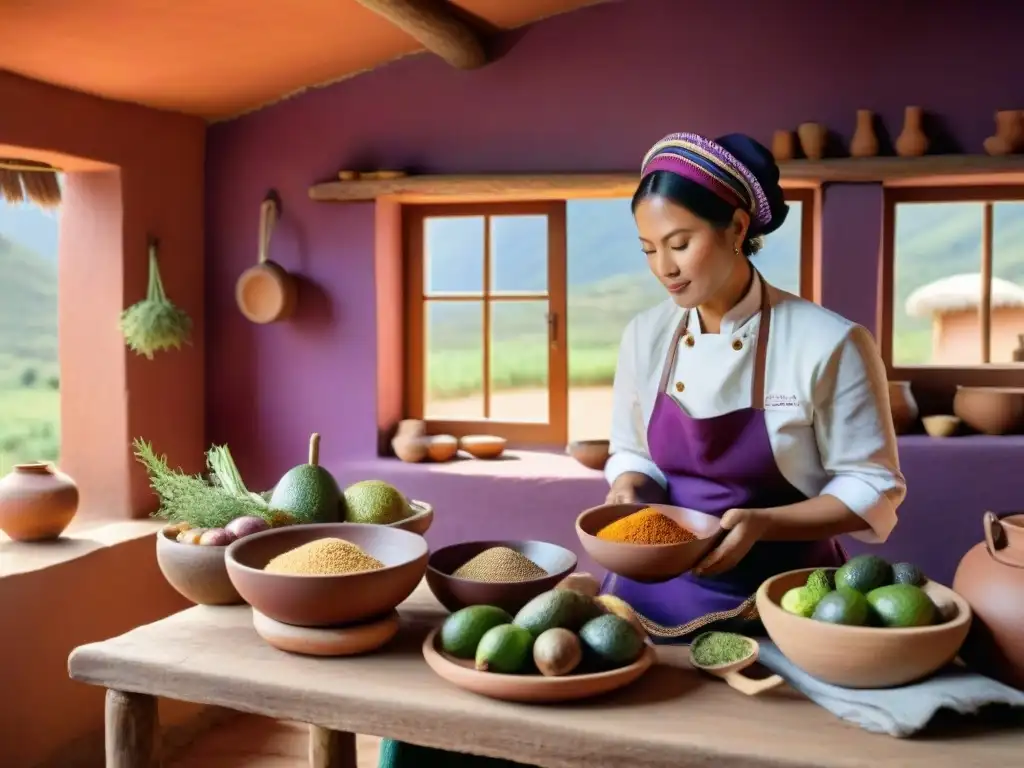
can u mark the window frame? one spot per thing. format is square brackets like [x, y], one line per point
[943, 377]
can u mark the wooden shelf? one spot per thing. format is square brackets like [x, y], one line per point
[929, 170]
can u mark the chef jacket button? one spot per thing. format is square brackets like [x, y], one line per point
[689, 339]
[680, 386]
[737, 344]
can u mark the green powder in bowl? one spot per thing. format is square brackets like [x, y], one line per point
[713, 649]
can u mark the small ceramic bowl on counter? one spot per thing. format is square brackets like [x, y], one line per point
[592, 454]
[483, 446]
[196, 571]
[419, 521]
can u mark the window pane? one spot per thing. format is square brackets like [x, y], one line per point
[937, 284]
[519, 253]
[455, 360]
[779, 260]
[609, 282]
[519, 361]
[1007, 279]
[453, 248]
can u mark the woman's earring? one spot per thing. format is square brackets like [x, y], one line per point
[736, 250]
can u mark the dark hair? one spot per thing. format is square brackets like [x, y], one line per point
[700, 201]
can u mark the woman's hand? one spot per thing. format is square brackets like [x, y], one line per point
[634, 488]
[746, 527]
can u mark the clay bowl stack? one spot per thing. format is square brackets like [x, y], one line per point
[197, 572]
[648, 563]
[455, 593]
[327, 615]
[863, 657]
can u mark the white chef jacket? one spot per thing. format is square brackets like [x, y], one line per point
[826, 397]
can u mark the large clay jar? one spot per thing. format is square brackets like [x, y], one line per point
[991, 578]
[37, 502]
[812, 140]
[903, 406]
[912, 141]
[864, 142]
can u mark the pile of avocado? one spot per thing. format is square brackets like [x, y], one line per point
[557, 633]
[866, 591]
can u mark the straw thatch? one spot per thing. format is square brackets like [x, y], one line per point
[28, 180]
[960, 293]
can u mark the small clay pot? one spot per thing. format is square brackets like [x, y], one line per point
[991, 410]
[411, 428]
[441, 447]
[411, 450]
[37, 502]
[592, 454]
[197, 572]
[1009, 135]
[783, 146]
[941, 425]
[912, 141]
[812, 140]
[864, 142]
[903, 406]
[483, 446]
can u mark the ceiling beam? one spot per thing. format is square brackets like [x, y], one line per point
[436, 27]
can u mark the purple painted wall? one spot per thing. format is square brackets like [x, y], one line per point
[588, 91]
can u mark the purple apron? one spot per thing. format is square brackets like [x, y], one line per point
[714, 465]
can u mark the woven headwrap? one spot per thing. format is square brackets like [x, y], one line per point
[719, 170]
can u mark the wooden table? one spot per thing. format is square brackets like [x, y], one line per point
[671, 718]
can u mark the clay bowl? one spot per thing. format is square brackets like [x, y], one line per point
[442, 447]
[991, 410]
[198, 573]
[455, 593]
[483, 446]
[323, 601]
[531, 689]
[941, 425]
[592, 454]
[863, 657]
[419, 521]
[349, 640]
[649, 563]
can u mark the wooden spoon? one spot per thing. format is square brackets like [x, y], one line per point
[266, 293]
[732, 672]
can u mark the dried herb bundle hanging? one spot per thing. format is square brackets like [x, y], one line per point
[155, 323]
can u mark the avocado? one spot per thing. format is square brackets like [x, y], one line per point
[902, 605]
[462, 630]
[843, 606]
[864, 573]
[611, 641]
[622, 609]
[557, 608]
[374, 501]
[557, 652]
[907, 573]
[308, 492]
[821, 581]
[504, 649]
[801, 601]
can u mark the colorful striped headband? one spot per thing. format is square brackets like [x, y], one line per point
[704, 162]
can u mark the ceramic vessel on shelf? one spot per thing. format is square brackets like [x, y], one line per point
[1018, 353]
[1009, 133]
[991, 578]
[991, 410]
[812, 140]
[592, 454]
[783, 146]
[441, 447]
[37, 502]
[863, 657]
[941, 425]
[411, 450]
[483, 446]
[903, 406]
[912, 141]
[864, 142]
[197, 572]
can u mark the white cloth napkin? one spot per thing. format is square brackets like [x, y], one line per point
[899, 711]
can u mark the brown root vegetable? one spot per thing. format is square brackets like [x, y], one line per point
[171, 530]
[581, 582]
[191, 536]
[557, 652]
[216, 537]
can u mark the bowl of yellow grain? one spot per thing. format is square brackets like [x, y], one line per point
[506, 574]
[328, 574]
[647, 542]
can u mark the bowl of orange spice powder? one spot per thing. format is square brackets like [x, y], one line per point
[647, 542]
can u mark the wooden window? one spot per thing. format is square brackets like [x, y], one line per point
[952, 286]
[515, 311]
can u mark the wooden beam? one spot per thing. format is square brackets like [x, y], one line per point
[433, 24]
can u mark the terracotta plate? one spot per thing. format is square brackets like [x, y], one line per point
[531, 689]
[326, 641]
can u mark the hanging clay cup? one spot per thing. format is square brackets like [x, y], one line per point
[812, 140]
[912, 141]
[991, 578]
[37, 502]
[903, 406]
[864, 142]
[783, 146]
[266, 292]
[1009, 134]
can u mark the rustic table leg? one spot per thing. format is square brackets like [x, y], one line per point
[131, 724]
[331, 749]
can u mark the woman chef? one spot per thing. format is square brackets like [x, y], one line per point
[740, 400]
[734, 398]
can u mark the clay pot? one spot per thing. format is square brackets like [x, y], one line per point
[991, 410]
[812, 140]
[197, 572]
[592, 454]
[991, 578]
[1009, 134]
[903, 406]
[783, 146]
[912, 141]
[37, 502]
[409, 449]
[864, 142]
[483, 446]
[411, 428]
[1018, 353]
[941, 425]
[441, 447]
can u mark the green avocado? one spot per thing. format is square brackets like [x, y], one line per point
[462, 630]
[902, 605]
[557, 609]
[611, 641]
[864, 573]
[505, 649]
[844, 606]
[375, 502]
[308, 492]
